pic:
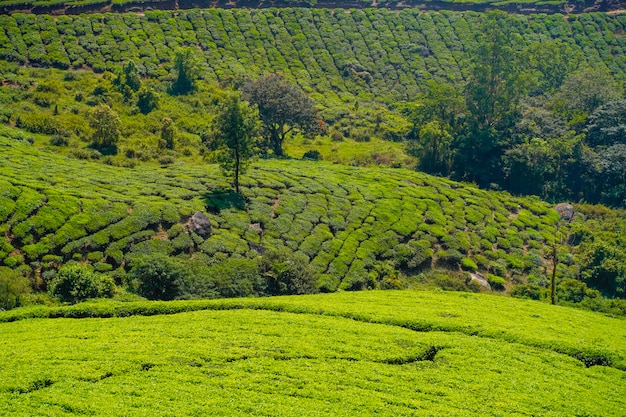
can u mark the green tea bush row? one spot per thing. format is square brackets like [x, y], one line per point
[340, 58]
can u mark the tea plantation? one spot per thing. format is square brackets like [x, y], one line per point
[354, 226]
[339, 56]
[384, 353]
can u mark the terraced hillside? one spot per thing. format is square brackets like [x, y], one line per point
[354, 226]
[409, 353]
[340, 56]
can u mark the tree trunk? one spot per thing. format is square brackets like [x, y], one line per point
[237, 162]
[553, 280]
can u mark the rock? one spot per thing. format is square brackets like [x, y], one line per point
[256, 227]
[478, 278]
[566, 211]
[257, 248]
[200, 224]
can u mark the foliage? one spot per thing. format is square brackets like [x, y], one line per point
[433, 148]
[158, 277]
[402, 349]
[586, 90]
[604, 269]
[74, 283]
[13, 287]
[147, 100]
[287, 273]
[186, 72]
[168, 134]
[283, 107]
[491, 96]
[530, 291]
[106, 126]
[551, 61]
[234, 133]
[606, 126]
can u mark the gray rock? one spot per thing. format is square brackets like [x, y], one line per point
[566, 211]
[200, 224]
[478, 278]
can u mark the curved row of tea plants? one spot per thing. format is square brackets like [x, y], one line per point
[333, 227]
[356, 227]
[339, 56]
[335, 354]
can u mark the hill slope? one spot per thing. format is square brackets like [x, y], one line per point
[336, 354]
[340, 56]
[355, 226]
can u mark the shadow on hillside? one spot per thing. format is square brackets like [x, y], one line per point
[218, 200]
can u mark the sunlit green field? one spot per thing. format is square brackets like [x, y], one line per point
[371, 353]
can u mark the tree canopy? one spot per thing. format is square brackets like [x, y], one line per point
[106, 126]
[235, 133]
[283, 108]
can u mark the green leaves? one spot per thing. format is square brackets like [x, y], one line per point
[387, 353]
[235, 130]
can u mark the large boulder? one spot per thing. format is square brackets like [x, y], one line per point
[566, 211]
[200, 224]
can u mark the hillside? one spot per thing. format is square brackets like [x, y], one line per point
[59, 7]
[341, 57]
[354, 225]
[385, 353]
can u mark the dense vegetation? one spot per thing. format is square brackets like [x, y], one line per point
[57, 7]
[385, 353]
[407, 76]
[471, 96]
[301, 227]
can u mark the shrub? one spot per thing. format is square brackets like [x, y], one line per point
[468, 265]
[575, 291]
[59, 140]
[530, 291]
[106, 126]
[312, 155]
[336, 136]
[158, 277]
[286, 273]
[496, 281]
[449, 258]
[13, 288]
[448, 281]
[236, 277]
[413, 255]
[76, 282]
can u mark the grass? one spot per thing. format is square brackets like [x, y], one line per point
[333, 354]
[350, 152]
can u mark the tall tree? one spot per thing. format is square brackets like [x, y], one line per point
[441, 102]
[551, 62]
[607, 124]
[584, 91]
[168, 134]
[491, 96]
[128, 80]
[186, 69]
[235, 132]
[283, 108]
[432, 149]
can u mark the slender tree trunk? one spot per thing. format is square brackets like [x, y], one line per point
[277, 146]
[237, 162]
[553, 280]
[555, 261]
